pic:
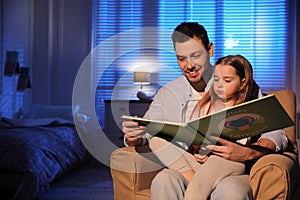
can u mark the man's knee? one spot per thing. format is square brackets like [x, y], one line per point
[234, 188]
[168, 184]
[169, 177]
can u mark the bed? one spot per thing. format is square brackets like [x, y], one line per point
[37, 149]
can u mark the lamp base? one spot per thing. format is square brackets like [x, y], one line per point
[143, 97]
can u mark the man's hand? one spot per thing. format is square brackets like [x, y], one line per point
[240, 153]
[229, 150]
[132, 132]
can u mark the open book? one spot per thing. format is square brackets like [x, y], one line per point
[244, 120]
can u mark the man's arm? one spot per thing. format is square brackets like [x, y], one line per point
[278, 137]
[239, 153]
[134, 135]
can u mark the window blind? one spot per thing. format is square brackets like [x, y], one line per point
[259, 30]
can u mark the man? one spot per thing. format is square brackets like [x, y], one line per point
[176, 101]
[170, 102]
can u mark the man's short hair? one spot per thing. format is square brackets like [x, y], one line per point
[187, 30]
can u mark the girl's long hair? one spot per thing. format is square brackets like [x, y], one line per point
[244, 71]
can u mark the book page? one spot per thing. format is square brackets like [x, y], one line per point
[245, 120]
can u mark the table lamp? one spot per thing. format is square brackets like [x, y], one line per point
[141, 78]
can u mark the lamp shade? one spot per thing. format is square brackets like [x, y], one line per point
[24, 79]
[12, 63]
[141, 77]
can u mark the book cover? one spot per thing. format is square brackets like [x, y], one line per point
[244, 120]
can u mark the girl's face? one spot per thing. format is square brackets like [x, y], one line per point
[226, 82]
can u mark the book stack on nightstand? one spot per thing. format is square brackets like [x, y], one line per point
[114, 109]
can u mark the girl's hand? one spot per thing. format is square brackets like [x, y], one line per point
[200, 153]
[201, 158]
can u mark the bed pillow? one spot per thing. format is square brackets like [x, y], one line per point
[38, 111]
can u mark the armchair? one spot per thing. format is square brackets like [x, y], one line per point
[274, 176]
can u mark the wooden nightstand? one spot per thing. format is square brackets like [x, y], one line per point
[113, 123]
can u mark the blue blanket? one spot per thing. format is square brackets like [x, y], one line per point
[41, 150]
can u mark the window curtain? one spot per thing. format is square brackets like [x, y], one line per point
[260, 30]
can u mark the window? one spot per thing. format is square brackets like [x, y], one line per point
[259, 30]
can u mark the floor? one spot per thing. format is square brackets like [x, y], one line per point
[92, 181]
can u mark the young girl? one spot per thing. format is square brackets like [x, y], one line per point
[232, 84]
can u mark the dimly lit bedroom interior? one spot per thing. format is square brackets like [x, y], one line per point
[70, 68]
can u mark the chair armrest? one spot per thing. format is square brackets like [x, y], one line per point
[274, 176]
[132, 170]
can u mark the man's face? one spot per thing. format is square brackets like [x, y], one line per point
[193, 58]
